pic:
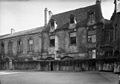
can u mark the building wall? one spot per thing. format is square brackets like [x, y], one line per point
[36, 46]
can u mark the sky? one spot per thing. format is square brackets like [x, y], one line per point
[26, 14]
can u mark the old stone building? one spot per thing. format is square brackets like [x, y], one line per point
[75, 34]
[116, 25]
[81, 33]
[23, 44]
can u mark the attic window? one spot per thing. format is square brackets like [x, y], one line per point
[52, 23]
[91, 17]
[72, 19]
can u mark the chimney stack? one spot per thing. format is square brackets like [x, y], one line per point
[98, 1]
[12, 30]
[45, 16]
[50, 14]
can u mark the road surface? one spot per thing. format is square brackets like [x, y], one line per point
[8, 77]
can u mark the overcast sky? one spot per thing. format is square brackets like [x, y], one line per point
[27, 14]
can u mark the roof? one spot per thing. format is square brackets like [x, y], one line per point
[81, 15]
[25, 32]
[116, 19]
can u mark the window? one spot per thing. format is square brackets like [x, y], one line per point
[30, 45]
[2, 48]
[10, 52]
[52, 41]
[72, 19]
[91, 17]
[52, 23]
[93, 54]
[73, 38]
[19, 45]
[92, 38]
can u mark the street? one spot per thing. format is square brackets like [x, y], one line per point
[9, 77]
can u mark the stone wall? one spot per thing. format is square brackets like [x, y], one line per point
[36, 46]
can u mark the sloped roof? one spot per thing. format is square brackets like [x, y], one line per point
[116, 18]
[81, 15]
[25, 32]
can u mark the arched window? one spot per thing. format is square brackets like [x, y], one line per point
[30, 45]
[19, 46]
[10, 47]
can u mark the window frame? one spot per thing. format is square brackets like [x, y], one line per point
[20, 46]
[30, 46]
[73, 37]
[51, 43]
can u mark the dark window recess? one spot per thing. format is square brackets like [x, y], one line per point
[52, 23]
[2, 48]
[2, 45]
[73, 40]
[72, 19]
[19, 46]
[52, 42]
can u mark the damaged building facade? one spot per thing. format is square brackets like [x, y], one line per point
[75, 35]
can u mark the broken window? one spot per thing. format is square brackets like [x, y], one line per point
[52, 23]
[52, 41]
[72, 19]
[73, 38]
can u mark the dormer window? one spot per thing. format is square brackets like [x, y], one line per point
[72, 19]
[72, 22]
[91, 17]
[53, 25]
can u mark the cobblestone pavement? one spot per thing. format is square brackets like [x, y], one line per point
[57, 77]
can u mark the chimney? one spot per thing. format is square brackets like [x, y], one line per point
[45, 16]
[50, 14]
[12, 30]
[98, 1]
